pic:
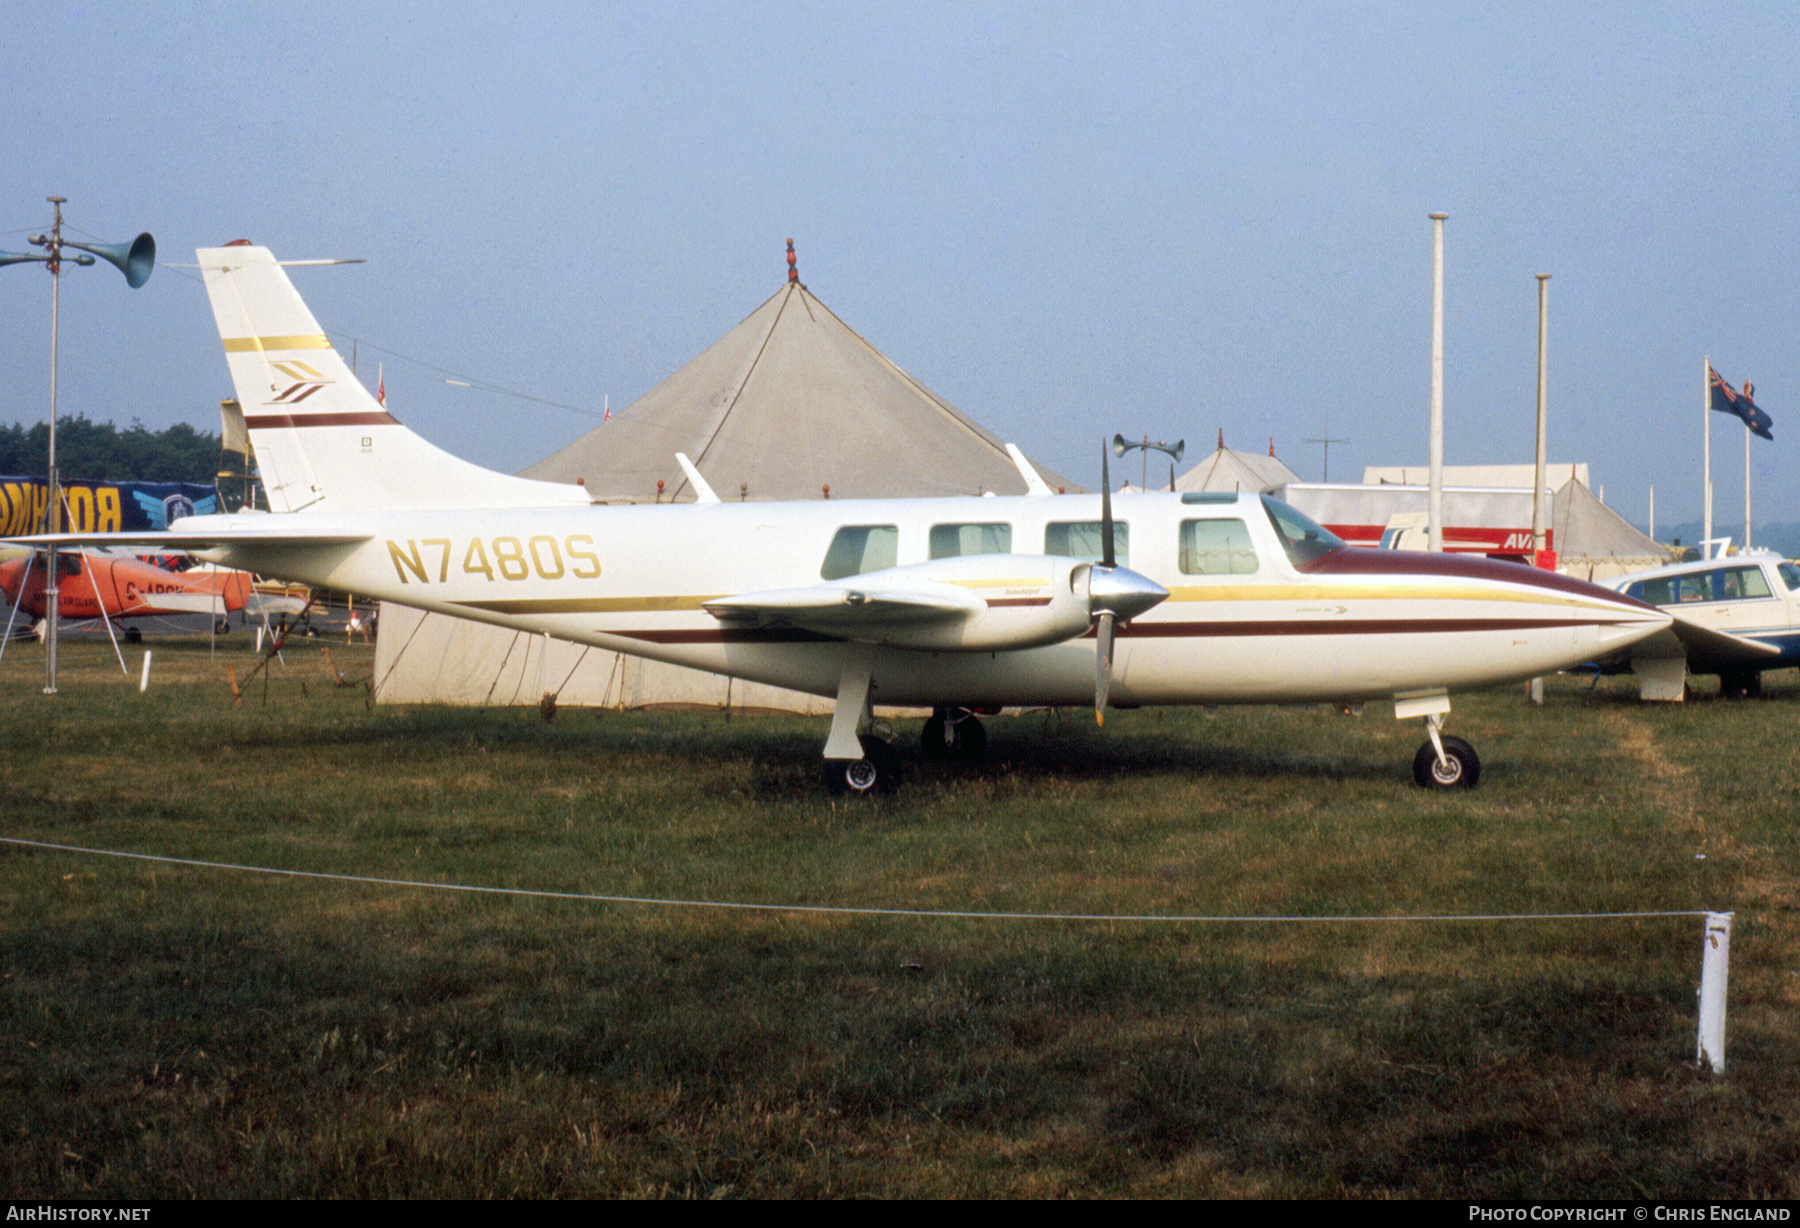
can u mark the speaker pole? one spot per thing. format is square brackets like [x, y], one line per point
[137, 260]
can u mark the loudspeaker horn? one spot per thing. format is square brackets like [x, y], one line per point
[18, 257]
[137, 259]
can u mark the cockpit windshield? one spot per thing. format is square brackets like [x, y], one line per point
[1303, 540]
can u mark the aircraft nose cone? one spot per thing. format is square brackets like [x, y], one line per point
[1123, 592]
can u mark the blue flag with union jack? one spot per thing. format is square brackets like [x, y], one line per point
[1728, 401]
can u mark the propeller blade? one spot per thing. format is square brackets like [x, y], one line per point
[1107, 557]
[1103, 659]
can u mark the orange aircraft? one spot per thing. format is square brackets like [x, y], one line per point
[120, 587]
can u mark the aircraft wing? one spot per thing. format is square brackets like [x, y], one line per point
[1708, 648]
[853, 610]
[1705, 648]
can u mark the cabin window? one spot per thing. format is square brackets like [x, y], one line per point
[1081, 540]
[861, 548]
[1216, 548]
[1303, 540]
[1722, 584]
[1673, 590]
[950, 541]
[1790, 576]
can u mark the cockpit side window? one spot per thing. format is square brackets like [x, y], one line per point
[1303, 540]
[860, 548]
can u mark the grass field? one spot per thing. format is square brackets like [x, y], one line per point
[174, 1031]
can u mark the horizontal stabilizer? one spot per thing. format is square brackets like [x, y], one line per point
[281, 532]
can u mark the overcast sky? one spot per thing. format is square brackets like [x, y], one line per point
[1068, 220]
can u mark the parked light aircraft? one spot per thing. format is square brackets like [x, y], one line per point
[95, 584]
[952, 603]
[1734, 617]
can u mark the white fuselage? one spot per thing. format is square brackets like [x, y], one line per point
[1242, 623]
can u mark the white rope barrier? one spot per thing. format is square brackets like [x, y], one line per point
[1715, 956]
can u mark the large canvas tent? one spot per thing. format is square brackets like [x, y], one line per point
[786, 404]
[790, 404]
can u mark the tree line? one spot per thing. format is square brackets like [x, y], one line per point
[101, 451]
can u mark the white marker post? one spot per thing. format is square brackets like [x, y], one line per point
[144, 679]
[1715, 967]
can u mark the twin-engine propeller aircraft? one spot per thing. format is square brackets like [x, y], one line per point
[956, 604]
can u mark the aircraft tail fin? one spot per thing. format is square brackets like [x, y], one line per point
[322, 441]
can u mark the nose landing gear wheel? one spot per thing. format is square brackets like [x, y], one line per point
[878, 771]
[1461, 769]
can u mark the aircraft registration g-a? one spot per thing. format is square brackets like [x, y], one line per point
[955, 604]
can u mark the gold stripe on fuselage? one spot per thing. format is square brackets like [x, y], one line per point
[1023, 582]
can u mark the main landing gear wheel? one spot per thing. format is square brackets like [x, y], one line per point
[1741, 684]
[878, 771]
[1461, 769]
[945, 737]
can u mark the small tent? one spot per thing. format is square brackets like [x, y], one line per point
[1226, 470]
[1596, 543]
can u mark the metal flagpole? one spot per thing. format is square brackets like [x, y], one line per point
[1538, 542]
[1706, 486]
[1746, 484]
[1436, 495]
[1539, 536]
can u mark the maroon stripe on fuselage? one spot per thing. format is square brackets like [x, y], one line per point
[1144, 630]
[1359, 561]
[1345, 626]
[275, 421]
